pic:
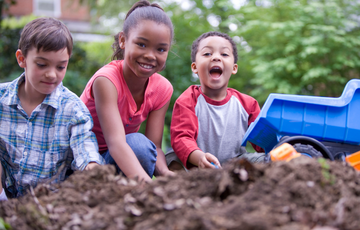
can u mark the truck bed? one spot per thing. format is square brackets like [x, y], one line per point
[323, 118]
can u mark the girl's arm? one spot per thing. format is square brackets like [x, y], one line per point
[154, 131]
[106, 96]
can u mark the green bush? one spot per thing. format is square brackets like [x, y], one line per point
[85, 60]
[9, 68]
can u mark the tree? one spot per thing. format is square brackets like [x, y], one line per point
[4, 6]
[301, 47]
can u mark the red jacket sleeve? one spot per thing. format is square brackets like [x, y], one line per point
[184, 125]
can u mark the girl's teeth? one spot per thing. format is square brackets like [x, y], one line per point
[146, 66]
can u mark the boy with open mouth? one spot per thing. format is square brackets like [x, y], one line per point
[209, 120]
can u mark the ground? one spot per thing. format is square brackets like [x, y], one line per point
[301, 194]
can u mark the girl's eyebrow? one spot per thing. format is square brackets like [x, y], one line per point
[145, 39]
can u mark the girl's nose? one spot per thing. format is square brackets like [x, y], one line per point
[150, 55]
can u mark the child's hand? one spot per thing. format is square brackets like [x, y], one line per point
[169, 173]
[91, 165]
[207, 159]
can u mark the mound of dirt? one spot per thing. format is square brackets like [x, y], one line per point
[301, 194]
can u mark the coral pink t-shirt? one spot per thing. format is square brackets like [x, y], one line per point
[158, 92]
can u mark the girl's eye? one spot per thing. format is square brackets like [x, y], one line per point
[141, 45]
[61, 68]
[225, 54]
[207, 54]
[162, 50]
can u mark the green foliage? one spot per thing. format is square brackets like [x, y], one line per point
[301, 47]
[86, 59]
[4, 225]
[9, 37]
[328, 177]
[8, 45]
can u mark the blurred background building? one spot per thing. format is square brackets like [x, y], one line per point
[75, 15]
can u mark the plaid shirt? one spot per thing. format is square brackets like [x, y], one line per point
[56, 136]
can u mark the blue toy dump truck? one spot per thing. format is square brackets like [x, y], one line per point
[315, 126]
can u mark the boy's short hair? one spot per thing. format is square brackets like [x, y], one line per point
[46, 34]
[195, 45]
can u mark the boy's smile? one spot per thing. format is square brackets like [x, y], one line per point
[214, 65]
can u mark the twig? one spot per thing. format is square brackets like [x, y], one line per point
[41, 208]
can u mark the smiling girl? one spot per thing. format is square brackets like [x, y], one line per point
[128, 90]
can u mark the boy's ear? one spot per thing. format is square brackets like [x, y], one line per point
[194, 68]
[20, 58]
[122, 40]
[235, 69]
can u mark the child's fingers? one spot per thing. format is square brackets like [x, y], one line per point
[214, 165]
[212, 160]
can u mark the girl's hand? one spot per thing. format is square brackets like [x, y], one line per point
[167, 172]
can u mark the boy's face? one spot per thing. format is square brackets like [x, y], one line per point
[43, 70]
[214, 65]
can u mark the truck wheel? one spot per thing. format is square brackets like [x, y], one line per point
[307, 141]
[307, 150]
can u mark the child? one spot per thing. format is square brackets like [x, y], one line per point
[210, 120]
[128, 90]
[45, 128]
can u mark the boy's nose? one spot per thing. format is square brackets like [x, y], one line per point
[216, 57]
[50, 74]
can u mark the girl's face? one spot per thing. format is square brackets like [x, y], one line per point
[146, 49]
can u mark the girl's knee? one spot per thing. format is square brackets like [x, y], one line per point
[140, 144]
[144, 149]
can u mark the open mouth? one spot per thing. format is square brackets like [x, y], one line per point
[215, 72]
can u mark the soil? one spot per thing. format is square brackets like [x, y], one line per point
[302, 194]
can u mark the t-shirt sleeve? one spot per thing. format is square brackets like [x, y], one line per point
[184, 127]
[162, 93]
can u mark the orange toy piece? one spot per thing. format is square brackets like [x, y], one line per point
[354, 160]
[284, 152]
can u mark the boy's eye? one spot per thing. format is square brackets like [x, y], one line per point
[207, 54]
[40, 65]
[225, 54]
[61, 67]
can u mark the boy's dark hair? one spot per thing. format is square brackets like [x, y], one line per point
[142, 10]
[195, 45]
[46, 34]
